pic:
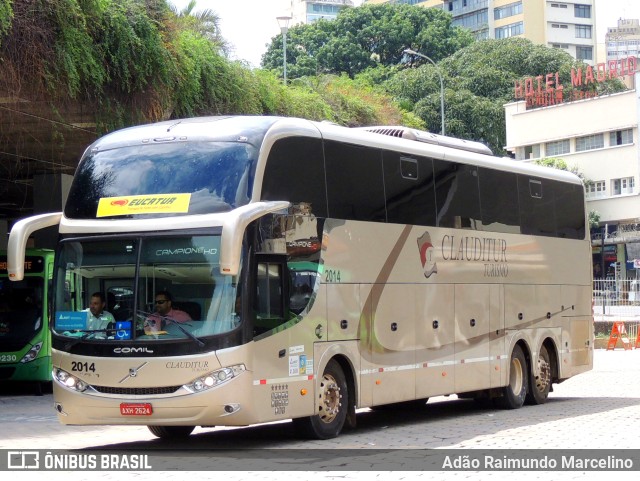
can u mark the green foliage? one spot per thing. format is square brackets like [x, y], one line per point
[360, 38]
[561, 164]
[553, 162]
[479, 79]
[6, 14]
[136, 61]
[205, 22]
[130, 45]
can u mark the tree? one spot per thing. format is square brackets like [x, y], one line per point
[363, 37]
[594, 219]
[479, 79]
[6, 14]
[206, 22]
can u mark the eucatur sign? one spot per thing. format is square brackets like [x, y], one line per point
[547, 89]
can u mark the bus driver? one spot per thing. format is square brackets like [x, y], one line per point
[99, 319]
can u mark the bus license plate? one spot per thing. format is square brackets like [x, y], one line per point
[136, 409]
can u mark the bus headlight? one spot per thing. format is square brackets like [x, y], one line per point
[69, 381]
[215, 378]
[32, 354]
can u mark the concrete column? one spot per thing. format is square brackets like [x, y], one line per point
[4, 234]
[50, 193]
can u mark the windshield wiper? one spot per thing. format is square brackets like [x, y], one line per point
[144, 316]
[85, 335]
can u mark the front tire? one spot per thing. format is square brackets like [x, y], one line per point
[540, 384]
[515, 393]
[171, 432]
[331, 406]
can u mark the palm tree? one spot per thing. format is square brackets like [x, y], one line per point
[206, 22]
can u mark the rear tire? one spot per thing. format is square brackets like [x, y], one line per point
[540, 384]
[331, 406]
[171, 432]
[514, 393]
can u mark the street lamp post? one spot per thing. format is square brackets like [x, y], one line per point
[408, 51]
[283, 22]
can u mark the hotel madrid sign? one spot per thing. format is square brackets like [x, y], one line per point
[545, 90]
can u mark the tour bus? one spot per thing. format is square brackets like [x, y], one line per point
[25, 346]
[310, 270]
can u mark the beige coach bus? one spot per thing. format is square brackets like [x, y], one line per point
[262, 268]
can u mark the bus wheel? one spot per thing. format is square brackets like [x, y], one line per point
[540, 385]
[514, 393]
[332, 405]
[171, 432]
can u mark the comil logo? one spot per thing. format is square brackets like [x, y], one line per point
[427, 255]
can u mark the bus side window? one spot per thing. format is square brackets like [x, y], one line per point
[270, 302]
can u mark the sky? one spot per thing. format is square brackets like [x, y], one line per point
[249, 25]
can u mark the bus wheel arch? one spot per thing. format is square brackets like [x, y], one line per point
[515, 392]
[544, 370]
[333, 402]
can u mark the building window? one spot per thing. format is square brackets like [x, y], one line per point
[583, 31]
[532, 151]
[582, 11]
[596, 189]
[584, 53]
[621, 137]
[589, 142]
[557, 148]
[559, 5]
[507, 11]
[474, 21]
[622, 186]
[510, 30]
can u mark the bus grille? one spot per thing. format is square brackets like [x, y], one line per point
[136, 391]
[391, 131]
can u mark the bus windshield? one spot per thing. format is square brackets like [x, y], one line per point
[145, 289]
[20, 311]
[172, 168]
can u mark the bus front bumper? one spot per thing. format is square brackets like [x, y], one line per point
[217, 407]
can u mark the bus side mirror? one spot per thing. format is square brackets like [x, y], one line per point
[20, 232]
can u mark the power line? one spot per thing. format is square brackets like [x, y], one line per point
[49, 162]
[57, 122]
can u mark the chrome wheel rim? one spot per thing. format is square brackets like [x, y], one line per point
[329, 405]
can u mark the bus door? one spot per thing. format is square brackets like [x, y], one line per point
[271, 354]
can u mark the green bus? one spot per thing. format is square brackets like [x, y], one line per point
[25, 339]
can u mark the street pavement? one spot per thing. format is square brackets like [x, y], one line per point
[599, 409]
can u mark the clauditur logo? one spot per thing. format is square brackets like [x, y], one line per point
[427, 255]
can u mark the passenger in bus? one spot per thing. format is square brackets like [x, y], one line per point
[99, 319]
[164, 312]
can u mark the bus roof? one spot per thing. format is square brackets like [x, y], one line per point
[254, 129]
